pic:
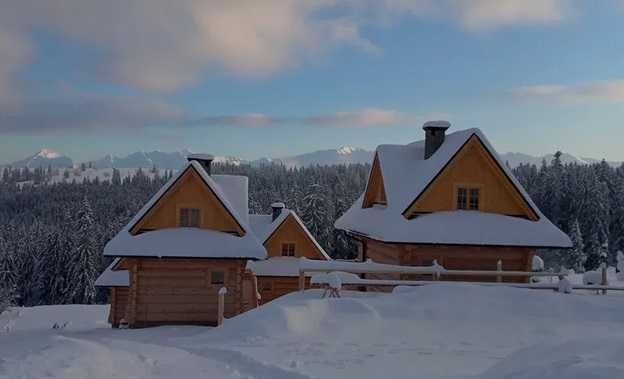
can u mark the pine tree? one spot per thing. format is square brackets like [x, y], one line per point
[314, 213]
[575, 258]
[84, 262]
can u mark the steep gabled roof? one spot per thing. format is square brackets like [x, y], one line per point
[264, 227]
[210, 183]
[188, 242]
[113, 278]
[407, 174]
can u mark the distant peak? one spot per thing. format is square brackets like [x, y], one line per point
[48, 154]
[346, 150]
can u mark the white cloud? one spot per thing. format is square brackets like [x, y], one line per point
[611, 91]
[366, 117]
[14, 53]
[489, 14]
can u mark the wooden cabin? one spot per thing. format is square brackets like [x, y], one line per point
[193, 238]
[447, 198]
[286, 240]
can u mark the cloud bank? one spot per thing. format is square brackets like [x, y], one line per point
[611, 91]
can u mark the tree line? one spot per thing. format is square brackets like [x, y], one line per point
[52, 235]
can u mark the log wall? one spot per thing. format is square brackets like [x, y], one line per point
[172, 291]
[451, 257]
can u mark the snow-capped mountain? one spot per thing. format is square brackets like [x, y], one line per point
[341, 155]
[515, 159]
[162, 160]
[44, 158]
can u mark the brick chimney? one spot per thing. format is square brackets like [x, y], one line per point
[435, 132]
[277, 210]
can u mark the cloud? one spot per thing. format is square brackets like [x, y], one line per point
[14, 53]
[86, 113]
[164, 45]
[611, 91]
[367, 117]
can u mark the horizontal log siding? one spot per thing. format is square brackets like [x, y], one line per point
[118, 304]
[180, 291]
[452, 258]
[280, 286]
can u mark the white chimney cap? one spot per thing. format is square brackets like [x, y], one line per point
[278, 205]
[437, 124]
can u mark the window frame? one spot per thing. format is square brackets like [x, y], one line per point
[212, 276]
[288, 244]
[191, 211]
[468, 188]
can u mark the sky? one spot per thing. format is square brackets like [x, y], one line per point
[281, 77]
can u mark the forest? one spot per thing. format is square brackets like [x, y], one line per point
[52, 234]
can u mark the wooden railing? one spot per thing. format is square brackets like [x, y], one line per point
[435, 271]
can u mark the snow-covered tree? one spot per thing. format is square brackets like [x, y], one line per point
[84, 260]
[575, 257]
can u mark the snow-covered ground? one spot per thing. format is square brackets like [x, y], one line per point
[435, 331]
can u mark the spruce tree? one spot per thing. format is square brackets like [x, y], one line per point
[575, 258]
[84, 259]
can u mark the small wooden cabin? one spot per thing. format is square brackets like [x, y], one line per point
[286, 240]
[447, 198]
[194, 237]
[186, 243]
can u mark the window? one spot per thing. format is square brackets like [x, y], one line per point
[189, 217]
[288, 250]
[473, 201]
[461, 198]
[468, 198]
[267, 286]
[217, 277]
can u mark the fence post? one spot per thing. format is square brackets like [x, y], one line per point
[604, 278]
[499, 268]
[221, 305]
[301, 280]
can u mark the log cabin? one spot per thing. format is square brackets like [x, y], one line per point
[447, 198]
[192, 238]
[286, 240]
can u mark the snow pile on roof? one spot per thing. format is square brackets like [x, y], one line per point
[406, 174]
[185, 243]
[452, 227]
[235, 188]
[110, 278]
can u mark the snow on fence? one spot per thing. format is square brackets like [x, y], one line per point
[347, 270]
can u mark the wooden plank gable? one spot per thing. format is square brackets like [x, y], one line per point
[290, 231]
[188, 191]
[375, 191]
[473, 166]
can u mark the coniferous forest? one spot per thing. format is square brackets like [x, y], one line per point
[52, 235]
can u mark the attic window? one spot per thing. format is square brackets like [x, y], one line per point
[461, 198]
[288, 249]
[468, 198]
[189, 217]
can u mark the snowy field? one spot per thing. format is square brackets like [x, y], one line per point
[436, 331]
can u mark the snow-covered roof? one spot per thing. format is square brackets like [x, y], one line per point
[110, 278]
[185, 243]
[235, 188]
[276, 266]
[264, 226]
[406, 174]
[212, 184]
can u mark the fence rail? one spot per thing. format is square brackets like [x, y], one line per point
[435, 271]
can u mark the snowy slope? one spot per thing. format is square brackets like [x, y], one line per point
[44, 158]
[436, 331]
[341, 155]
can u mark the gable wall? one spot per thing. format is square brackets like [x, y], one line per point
[291, 231]
[472, 167]
[375, 191]
[191, 192]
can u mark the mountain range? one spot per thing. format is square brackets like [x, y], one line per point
[173, 160]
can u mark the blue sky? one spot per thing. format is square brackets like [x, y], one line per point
[88, 78]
